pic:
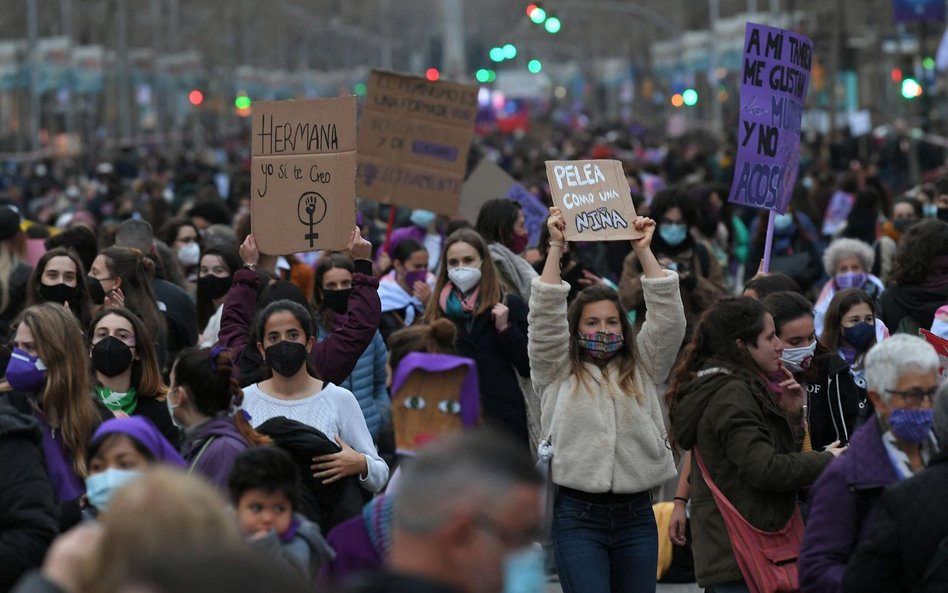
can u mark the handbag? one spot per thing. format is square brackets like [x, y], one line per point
[767, 559]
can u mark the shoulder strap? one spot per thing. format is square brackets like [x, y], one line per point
[197, 457]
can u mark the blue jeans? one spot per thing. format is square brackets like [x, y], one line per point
[605, 548]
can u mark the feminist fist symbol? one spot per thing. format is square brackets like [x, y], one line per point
[307, 207]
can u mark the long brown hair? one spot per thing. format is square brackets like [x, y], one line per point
[625, 357]
[842, 302]
[80, 308]
[59, 344]
[490, 291]
[146, 375]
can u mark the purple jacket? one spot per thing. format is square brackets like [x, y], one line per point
[333, 358]
[842, 508]
[210, 449]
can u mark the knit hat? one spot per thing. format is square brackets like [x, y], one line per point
[9, 223]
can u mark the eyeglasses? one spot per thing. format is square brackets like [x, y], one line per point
[513, 541]
[915, 396]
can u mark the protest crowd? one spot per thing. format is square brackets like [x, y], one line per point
[479, 404]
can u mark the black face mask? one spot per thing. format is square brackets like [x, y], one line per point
[214, 287]
[59, 293]
[337, 300]
[111, 356]
[286, 358]
[96, 292]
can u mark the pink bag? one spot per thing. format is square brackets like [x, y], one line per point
[767, 559]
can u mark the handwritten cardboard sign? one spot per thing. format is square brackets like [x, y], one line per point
[303, 166]
[414, 138]
[774, 82]
[595, 199]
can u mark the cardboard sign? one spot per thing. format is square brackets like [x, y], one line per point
[595, 199]
[303, 174]
[775, 78]
[941, 347]
[414, 138]
[488, 181]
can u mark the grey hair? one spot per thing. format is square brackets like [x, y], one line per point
[886, 362]
[941, 415]
[841, 248]
[475, 469]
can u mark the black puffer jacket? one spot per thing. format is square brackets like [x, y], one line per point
[28, 511]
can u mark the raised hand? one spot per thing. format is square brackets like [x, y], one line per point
[646, 226]
[557, 225]
[359, 248]
[249, 253]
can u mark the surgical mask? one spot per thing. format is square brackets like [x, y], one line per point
[902, 224]
[601, 345]
[518, 243]
[465, 279]
[911, 426]
[673, 234]
[422, 218]
[783, 221]
[101, 487]
[59, 293]
[189, 254]
[172, 407]
[214, 287]
[111, 356]
[798, 359]
[416, 276]
[337, 300]
[860, 335]
[286, 358]
[929, 210]
[524, 570]
[26, 373]
[851, 280]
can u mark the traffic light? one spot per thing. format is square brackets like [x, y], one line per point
[537, 14]
[553, 25]
[242, 101]
[677, 100]
[534, 66]
[432, 74]
[510, 51]
[689, 97]
[497, 54]
[911, 88]
[196, 97]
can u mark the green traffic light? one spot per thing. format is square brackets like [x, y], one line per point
[553, 25]
[928, 63]
[492, 76]
[911, 88]
[359, 89]
[482, 75]
[510, 51]
[538, 15]
[242, 102]
[497, 54]
[690, 97]
[535, 66]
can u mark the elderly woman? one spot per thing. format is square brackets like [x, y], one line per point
[901, 376]
[919, 284]
[847, 262]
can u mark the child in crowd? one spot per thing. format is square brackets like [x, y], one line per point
[264, 486]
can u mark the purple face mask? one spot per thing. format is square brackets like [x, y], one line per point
[851, 280]
[416, 276]
[25, 373]
[911, 426]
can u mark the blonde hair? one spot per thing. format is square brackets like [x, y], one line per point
[173, 513]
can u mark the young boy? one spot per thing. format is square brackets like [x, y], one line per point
[264, 485]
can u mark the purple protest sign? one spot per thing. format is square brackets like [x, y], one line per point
[774, 81]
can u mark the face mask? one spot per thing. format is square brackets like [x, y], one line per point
[337, 301]
[189, 254]
[422, 218]
[524, 571]
[465, 279]
[171, 408]
[929, 210]
[673, 234]
[601, 344]
[416, 276]
[214, 287]
[26, 373]
[102, 486]
[59, 293]
[902, 224]
[111, 356]
[911, 426]
[859, 335]
[783, 221]
[96, 292]
[798, 359]
[286, 358]
[851, 280]
[518, 243]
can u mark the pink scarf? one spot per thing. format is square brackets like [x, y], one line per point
[454, 304]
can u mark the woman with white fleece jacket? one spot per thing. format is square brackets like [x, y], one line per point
[599, 390]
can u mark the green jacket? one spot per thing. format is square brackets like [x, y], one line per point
[748, 447]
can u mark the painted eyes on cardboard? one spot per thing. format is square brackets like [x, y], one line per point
[414, 402]
[450, 407]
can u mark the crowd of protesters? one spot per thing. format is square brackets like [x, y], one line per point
[172, 395]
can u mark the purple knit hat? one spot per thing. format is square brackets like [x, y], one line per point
[142, 431]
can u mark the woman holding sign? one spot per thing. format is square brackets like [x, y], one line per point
[599, 389]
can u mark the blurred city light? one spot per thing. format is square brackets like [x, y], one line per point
[538, 15]
[553, 25]
[535, 66]
[497, 54]
[359, 89]
[242, 101]
[911, 88]
[689, 97]
[482, 75]
[510, 51]
[196, 97]
[432, 74]
[928, 63]
[677, 100]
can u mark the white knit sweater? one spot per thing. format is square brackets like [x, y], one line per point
[605, 440]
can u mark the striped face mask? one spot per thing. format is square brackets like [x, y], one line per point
[601, 344]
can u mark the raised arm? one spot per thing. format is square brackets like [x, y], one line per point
[240, 302]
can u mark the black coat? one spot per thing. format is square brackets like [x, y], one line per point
[28, 510]
[837, 406]
[500, 357]
[910, 526]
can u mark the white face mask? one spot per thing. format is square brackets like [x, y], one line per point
[464, 279]
[189, 254]
[171, 408]
[798, 359]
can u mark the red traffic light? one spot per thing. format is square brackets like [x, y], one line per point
[531, 8]
[432, 74]
[196, 97]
